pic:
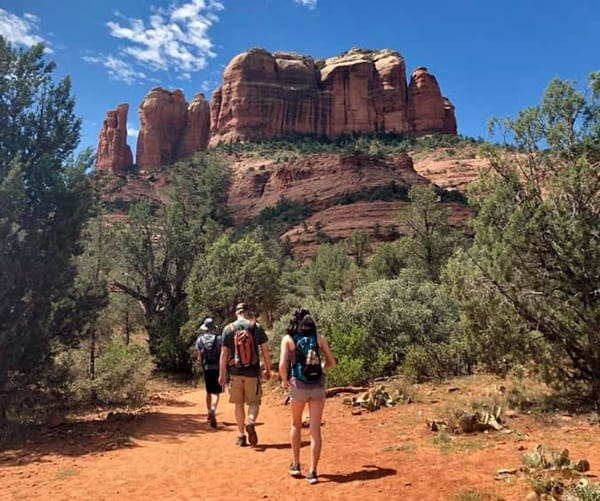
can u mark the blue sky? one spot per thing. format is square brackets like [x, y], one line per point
[491, 58]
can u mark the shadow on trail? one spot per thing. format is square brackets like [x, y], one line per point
[29, 444]
[369, 472]
[286, 445]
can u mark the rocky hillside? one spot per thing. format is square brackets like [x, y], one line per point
[266, 95]
[322, 192]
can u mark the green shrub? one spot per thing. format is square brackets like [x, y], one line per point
[122, 372]
[285, 214]
[435, 360]
[351, 349]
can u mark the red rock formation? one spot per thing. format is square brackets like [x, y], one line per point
[197, 128]
[391, 94]
[428, 111]
[266, 95]
[162, 121]
[272, 95]
[449, 118]
[114, 154]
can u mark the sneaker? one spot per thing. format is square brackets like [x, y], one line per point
[312, 477]
[252, 436]
[295, 470]
[212, 419]
[241, 441]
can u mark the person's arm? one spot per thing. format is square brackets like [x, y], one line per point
[330, 361]
[199, 350]
[264, 348]
[284, 363]
[223, 359]
[261, 339]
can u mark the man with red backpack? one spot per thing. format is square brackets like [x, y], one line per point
[242, 340]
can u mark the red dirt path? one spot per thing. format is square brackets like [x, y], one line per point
[171, 453]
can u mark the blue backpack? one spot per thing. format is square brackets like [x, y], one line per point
[307, 367]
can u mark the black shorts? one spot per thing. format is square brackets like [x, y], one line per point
[211, 380]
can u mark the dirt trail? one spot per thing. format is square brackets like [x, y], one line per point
[172, 453]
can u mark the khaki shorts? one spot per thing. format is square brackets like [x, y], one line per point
[245, 390]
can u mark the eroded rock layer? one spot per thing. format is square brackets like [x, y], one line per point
[317, 182]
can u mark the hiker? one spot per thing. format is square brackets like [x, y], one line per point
[242, 340]
[301, 370]
[208, 345]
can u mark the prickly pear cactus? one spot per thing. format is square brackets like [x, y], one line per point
[376, 399]
[541, 459]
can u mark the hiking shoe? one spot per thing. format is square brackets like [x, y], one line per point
[252, 436]
[295, 470]
[212, 419]
[312, 478]
[241, 441]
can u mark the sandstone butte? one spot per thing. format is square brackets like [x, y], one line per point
[266, 95]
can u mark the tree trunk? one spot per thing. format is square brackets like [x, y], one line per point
[92, 369]
[127, 328]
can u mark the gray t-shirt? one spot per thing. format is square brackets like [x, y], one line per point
[260, 337]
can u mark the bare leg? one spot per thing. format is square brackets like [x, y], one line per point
[240, 417]
[208, 402]
[315, 409]
[296, 429]
[214, 402]
[253, 412]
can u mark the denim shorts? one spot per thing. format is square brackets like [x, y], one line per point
[303, 392]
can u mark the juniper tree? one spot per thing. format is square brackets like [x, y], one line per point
[536, 255]
[45, 199]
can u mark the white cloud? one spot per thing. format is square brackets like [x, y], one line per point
[132, 131]
[117, 68]
[174, 39]
[311, 4]
[21, 30]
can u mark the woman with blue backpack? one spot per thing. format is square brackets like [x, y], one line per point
[304, 356]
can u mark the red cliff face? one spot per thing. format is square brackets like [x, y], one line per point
[449, 118]
[170, 129]
[196, 131]
[316, 181]
[266, 95]
[114, 154]
[428, 110]
[162, 120]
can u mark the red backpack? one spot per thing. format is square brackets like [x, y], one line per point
[245, 354]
